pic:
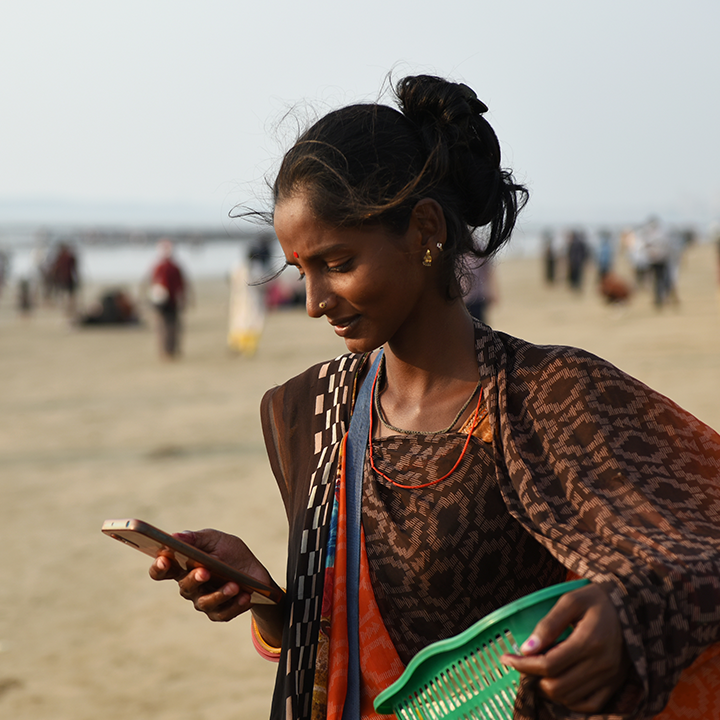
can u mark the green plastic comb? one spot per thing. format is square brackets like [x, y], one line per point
[461, 678]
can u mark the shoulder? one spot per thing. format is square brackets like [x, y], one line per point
[567, 385]
[520, 350]
[315, 400]
[304, 415]
[327, 378]
[528, 362]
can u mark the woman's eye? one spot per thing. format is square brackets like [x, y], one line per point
[342, 267]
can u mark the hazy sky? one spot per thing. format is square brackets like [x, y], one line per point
[607, 110]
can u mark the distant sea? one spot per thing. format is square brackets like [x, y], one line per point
[116, 242]
[129, 262]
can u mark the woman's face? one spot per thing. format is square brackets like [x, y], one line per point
[372, 282]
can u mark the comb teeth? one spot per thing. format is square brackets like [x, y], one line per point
[462, 691]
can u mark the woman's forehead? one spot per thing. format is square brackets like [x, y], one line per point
[294, 216]
[300, 231]
[303, 235]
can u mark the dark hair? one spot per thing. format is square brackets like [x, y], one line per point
[370, 163]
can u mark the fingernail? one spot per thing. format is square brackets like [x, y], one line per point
[530, 644]
[230, 590]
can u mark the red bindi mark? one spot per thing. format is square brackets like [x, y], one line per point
[295, 254]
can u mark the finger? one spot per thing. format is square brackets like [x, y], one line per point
[226, 610]
[159, 569]
[567, 655]
[164, 568]
[593, 703]
[205, 540]
[191, 586]
[187, 536]
[566, 611]
[592, 683]
[212, 601]
[538, 665]
[581, 681]
[206, 596]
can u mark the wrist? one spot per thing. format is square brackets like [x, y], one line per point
[268, 620]
[264, 649]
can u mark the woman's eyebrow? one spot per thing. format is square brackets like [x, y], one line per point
[318, 254]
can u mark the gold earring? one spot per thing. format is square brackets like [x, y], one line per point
[427, 259]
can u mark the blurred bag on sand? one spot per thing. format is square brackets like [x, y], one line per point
[614, 289]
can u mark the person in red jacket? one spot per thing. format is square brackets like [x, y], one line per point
[66, 277]
[168, 294]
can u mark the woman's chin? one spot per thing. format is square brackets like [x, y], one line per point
[361, 345]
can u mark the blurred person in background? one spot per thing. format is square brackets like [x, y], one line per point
[25, 297]
[169, 294]
[248, 297]
[679, 242]
[636, 251]
[4, 269]
[577, 257]
[114, 307]
[482, 292]
[657, 241]
[549, 257]
[43, 260]
[66, 277]
[613, 288]
[605, 253]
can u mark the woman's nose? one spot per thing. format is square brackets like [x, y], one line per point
[316, 298]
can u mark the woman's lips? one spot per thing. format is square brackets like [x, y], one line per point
[344, 326]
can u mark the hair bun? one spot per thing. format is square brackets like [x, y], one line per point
[451, 114]
[476, 105]
[435, 103]
[463, 151]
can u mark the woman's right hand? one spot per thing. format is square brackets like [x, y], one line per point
[219, 603]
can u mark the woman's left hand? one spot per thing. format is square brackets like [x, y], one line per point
[583, 672]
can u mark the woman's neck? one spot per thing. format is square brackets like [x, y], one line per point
[430, 373]
[439, 347]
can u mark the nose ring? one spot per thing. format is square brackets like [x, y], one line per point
[322, 305]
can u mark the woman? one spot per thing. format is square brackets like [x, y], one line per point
[495, 467]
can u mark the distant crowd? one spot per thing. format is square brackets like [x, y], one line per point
[652, 253]
[617, 263]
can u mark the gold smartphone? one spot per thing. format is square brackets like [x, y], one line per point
[153, 542]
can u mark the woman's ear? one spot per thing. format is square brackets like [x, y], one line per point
[428, 219]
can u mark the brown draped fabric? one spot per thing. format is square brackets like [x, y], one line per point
[443, 557]
[617, 482]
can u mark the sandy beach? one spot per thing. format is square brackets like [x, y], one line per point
[95, 426]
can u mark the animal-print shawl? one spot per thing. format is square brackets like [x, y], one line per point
[614, 479]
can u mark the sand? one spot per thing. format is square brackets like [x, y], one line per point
[95, 426]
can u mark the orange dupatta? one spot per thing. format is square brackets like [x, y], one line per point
[380, 664]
